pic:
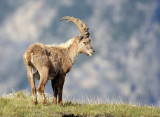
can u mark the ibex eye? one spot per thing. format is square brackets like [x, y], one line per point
[85, 43]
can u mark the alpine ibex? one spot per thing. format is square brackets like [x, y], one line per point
[48, 62]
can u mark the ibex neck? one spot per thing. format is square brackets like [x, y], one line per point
[73, 51]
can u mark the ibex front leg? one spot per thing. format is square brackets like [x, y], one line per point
[43, 81]
[54, 84]
[60, 89]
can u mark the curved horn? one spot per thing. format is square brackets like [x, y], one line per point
[80, 24]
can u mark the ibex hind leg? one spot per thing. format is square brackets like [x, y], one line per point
[43, 81]
[32, 82]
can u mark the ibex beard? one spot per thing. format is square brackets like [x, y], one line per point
[47, 62]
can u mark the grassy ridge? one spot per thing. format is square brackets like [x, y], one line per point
[20, 105]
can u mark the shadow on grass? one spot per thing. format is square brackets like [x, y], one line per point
[72, 115]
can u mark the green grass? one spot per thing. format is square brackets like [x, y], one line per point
[20, 105]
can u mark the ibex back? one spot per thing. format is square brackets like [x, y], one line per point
[47, 62]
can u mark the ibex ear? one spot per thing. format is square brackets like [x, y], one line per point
[80, 38]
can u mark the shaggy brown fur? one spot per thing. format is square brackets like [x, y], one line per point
[46, 62]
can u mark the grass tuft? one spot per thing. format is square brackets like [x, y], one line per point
[20, 104]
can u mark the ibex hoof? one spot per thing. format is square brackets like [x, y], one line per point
[55, 103]
[45, 103]
[60, 103]
[35, 103]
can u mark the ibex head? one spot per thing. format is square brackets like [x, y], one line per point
[84, 40]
